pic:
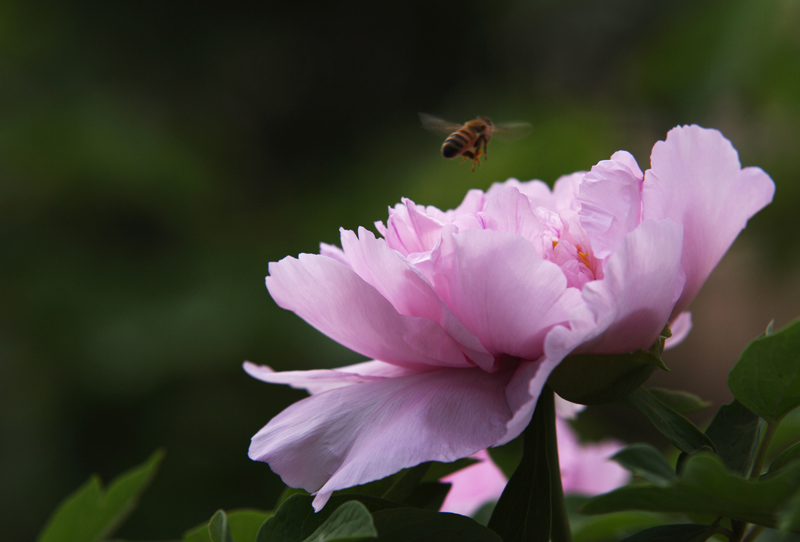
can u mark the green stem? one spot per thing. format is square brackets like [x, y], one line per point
[763, 448]
[532, 508]
[560, 531]
[740, 527]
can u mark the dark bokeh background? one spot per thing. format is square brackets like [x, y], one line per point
[154, 158]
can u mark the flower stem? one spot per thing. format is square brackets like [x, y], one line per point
[560, 530]
[763, 448]
[532, 508]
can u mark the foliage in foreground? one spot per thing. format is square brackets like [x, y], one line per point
[728, 483]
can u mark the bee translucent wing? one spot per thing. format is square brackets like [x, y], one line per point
[510, 131]
[429, 122]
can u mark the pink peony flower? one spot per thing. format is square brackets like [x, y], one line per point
[585, 469]
[465, 313]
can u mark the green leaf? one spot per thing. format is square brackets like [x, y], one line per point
[296, 520]
[680, 401]
[243, 523]
[688, 532]
[218, 528]
[607, 527]
[735, 433]
[766, 379]
[789, 519]
[647, 462]
[682, 433]
[705, 486]
[402, 488]
[508, 456]
[526, 509]
[90, 513]
[351, 521]
[414, 525]
[439, 470]
[429, 495]
[792, 453]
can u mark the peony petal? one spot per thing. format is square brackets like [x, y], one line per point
[680, 327]
[336, 301]
[410, 228]
[511, 211]
[629, 307]
[474, 486]
[405, 288]
[355, 434]
[320, 380]
[696, 180]
[587, 469]
[485, 277]
[610, 199]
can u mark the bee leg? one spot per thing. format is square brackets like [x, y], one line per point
[476, 158]
[468, 154]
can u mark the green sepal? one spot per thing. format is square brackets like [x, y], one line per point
[706, 486]
[591, 379]
[682, 433]
[766, 379]
[91, 514]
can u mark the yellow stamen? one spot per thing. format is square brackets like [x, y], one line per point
[584, 257]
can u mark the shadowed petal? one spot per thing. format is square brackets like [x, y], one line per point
[355, 434]
[629, 307]
[680, 327]
[405, 288]
[319, 380]
[332, 298]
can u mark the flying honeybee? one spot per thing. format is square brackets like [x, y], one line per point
[469, 140]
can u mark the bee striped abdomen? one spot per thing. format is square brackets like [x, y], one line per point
[457, 143]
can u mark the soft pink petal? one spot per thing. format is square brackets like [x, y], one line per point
[474, 486]
[402, 285]
[522, 394]
[512, 211]
[696, 180]
[320, 380]
[587, 469]
[680, 327]
[610, 198]
[629, 307]
[567, 410]
[355, 434]
[485, 278]
[410, 229]
[336, 301]
[332, 251]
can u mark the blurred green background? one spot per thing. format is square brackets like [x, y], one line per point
[154, 158]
